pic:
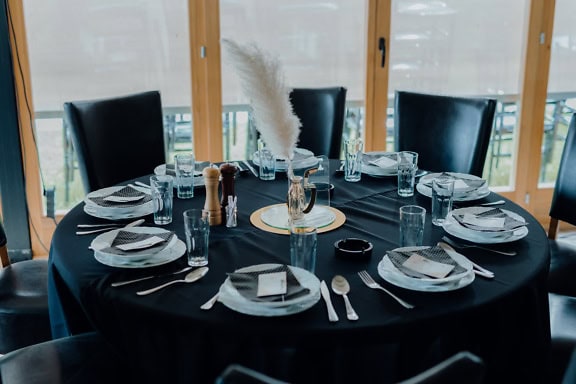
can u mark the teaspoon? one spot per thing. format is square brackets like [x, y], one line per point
[189, 278]
[341, 287]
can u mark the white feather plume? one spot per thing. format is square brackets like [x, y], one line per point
[263, 83]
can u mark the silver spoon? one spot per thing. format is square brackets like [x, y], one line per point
[341, 287]
[132, 224]
[191, 277]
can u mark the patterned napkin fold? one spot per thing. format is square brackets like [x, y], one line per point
[133, 196]
[436, 254]
[509, 224]
[128, 237]
[461, 185]
[246, 283]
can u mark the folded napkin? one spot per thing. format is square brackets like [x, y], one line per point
[127, 243]
[461, 184]
[492, 220]
[125, 197]
[384, 162]
[433, 262]
[246, 283]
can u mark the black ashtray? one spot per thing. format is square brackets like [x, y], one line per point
[353, 248]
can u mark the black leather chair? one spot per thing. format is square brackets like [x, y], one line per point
[116, 139]
[24, 318]
[449, 133]
[563, 334]
[321, 112]
[463, 367]
[81, 359]
[561, 278]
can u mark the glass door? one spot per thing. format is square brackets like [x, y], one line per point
[319, 44]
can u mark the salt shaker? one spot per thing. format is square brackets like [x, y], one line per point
[212, 203]
[228, 172]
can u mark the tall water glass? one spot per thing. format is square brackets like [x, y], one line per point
[407, 166]
[162, 191]
[197, 233]
[353, 159]
[184, 167]
[412, 220]
[303, 242]
[320, 179]
[267, 159]
[442, 195]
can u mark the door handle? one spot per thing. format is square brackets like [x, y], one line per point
[382, 48]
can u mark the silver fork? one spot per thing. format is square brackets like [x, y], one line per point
[463, 246]
[369, 281]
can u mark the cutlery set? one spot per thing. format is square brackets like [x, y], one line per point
[85, 229]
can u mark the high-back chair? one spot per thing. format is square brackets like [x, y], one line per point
[321, 112]
[561, 278]
[116, 139]
[448, 133]
[24, 318]
[80, 359]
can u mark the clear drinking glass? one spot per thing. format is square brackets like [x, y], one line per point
[267, 162]
[184, 167]
[197, 232]
[407, 166]
[412, 220]
[353, 161]
[303, 242]
[162, 191]
[442, 195]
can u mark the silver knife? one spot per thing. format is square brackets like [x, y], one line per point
[332, 316]
[121, 283]
[251, 168]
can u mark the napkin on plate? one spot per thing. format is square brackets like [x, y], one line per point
[461, 184]
[127, 242]
[410, 263]
[492, 220]
[246, 283]
[125, 197]
[170, 169]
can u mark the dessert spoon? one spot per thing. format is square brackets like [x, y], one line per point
[191, 277]
[341, 287]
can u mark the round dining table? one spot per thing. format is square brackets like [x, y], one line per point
[166, 337]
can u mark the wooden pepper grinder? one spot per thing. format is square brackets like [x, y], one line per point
[212, 203]
[228, 172]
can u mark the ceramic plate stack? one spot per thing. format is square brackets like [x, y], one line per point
[303, 158]
[107, 252]
[379, 163]
[230, 297]
[119, 202]
[466, 187]
[404, 279]
[513, 229]
[164, 169]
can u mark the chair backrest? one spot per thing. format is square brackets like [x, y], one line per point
[564, 199]
[449, 133]
[321, 112]
[116, 139]
[4, 259]
[463, 367]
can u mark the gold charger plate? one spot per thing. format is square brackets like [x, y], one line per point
[256, 220]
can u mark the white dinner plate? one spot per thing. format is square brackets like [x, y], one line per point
[374, 170]
[163, 257]
[480, 193]
[454, 228]
[277, 216]
[198, 178]
[104, 241]
[388, 271]
[230, 297]
[303, 158]
[103, 214]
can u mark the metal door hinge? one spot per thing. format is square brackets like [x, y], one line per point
[203, 52]
[542, 38]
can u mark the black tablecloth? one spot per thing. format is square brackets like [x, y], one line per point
[169, 339]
